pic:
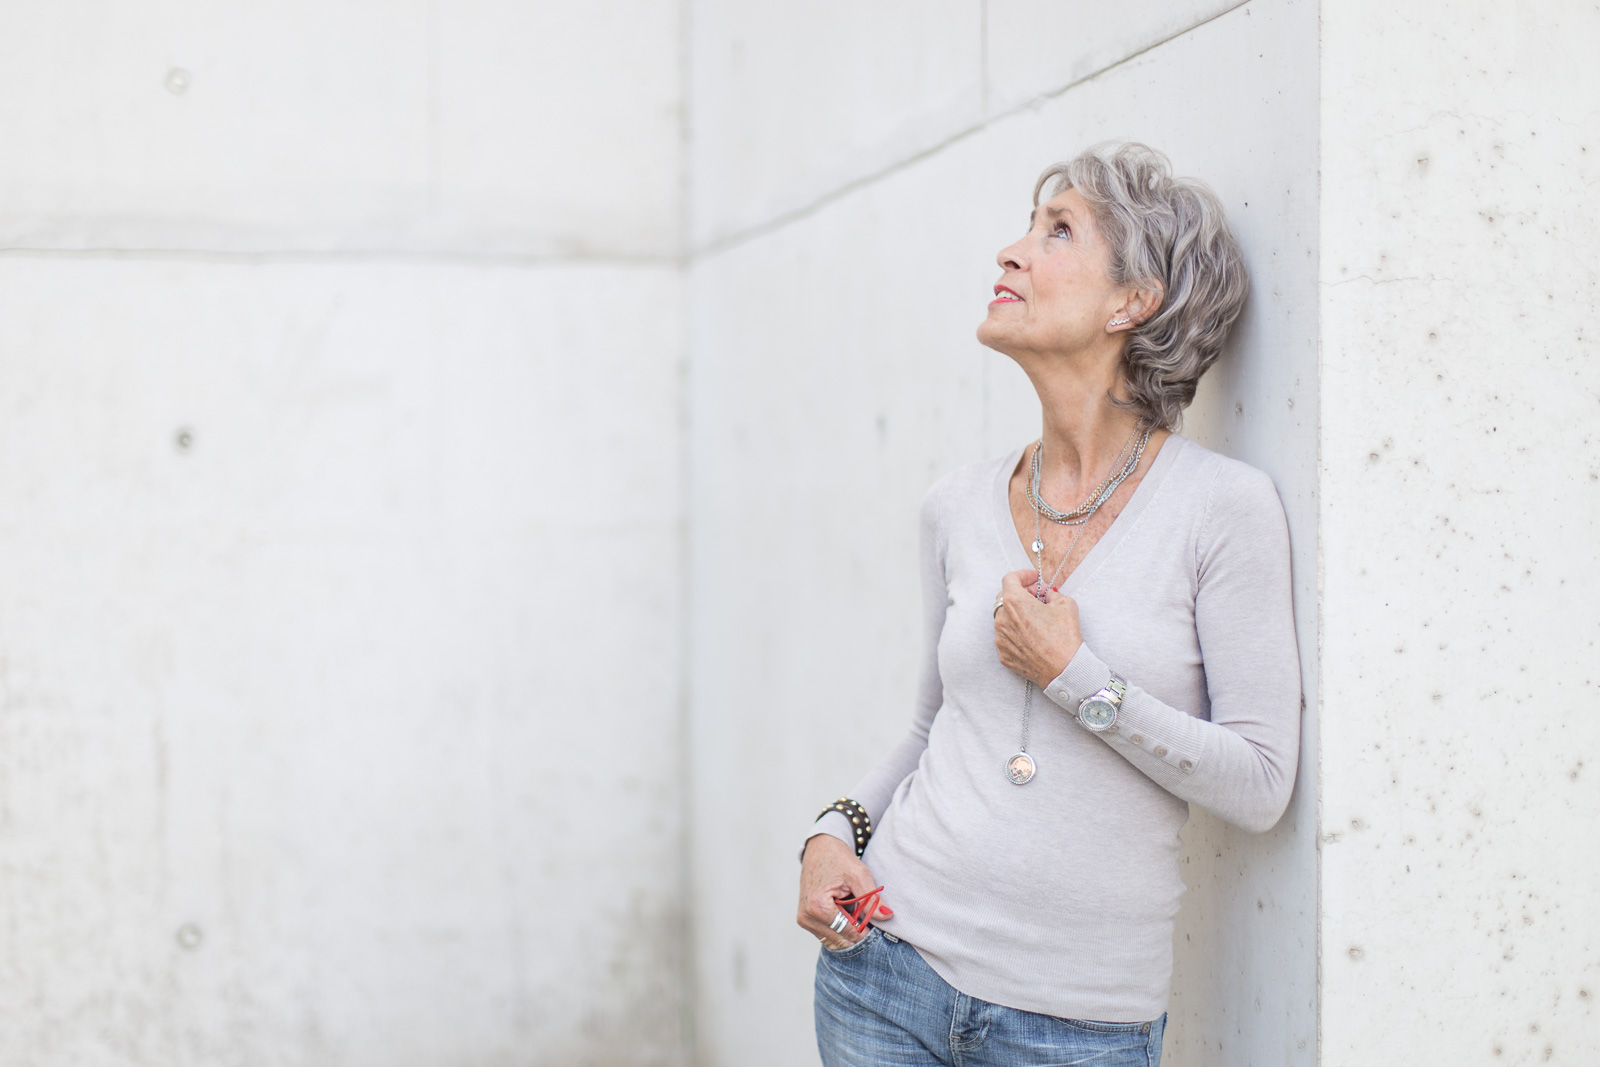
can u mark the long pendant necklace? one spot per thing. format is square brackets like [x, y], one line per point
[1020, 768]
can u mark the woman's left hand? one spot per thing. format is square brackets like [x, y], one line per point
[1036, 639]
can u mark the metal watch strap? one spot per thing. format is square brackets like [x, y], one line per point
[1109, 694]
[1118, 689]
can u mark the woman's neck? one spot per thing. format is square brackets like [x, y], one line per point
[1083, 431]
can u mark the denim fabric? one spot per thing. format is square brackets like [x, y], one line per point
[879, 1003]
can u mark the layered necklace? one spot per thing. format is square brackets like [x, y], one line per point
[1020, 768]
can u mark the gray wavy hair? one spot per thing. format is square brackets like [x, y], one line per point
[1165, 233]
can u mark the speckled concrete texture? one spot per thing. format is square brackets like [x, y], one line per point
[1460, 269]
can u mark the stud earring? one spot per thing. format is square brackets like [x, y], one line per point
[1120, 322]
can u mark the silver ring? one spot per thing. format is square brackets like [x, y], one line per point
[840, 921]
[999, 602]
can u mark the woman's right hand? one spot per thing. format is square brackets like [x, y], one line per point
[829, 872]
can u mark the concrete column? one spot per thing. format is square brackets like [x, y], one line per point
[1460, 258]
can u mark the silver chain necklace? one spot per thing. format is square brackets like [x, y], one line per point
[1095, 500]
[1020, 768]
[1125, 465]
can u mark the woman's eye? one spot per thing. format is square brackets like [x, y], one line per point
[1061, 230]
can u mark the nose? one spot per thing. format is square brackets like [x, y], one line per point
[1012, 256]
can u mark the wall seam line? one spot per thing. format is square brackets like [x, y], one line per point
[303, 257]
[1318, 814]
[778, 222]
[689, 959]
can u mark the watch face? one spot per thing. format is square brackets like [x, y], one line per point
[1097, 713]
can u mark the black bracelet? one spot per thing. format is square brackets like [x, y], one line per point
[860, 821]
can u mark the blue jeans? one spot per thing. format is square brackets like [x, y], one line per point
[878, 1002]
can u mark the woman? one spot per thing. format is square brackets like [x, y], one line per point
[1109, 638]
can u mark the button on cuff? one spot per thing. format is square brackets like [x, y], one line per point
[1083, 677]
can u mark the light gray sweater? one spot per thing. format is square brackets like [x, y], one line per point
[1058, 896]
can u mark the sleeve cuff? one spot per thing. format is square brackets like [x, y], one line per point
[834, 824]
[1085, 676]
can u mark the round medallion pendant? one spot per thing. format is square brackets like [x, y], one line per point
[1019, 768]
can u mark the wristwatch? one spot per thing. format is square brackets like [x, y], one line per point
[1099, 712]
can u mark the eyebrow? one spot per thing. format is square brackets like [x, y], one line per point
[1055, 212]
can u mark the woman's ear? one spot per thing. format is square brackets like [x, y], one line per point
[1142, 305]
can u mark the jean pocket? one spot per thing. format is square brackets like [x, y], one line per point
[1108, 1028]
[851, 950]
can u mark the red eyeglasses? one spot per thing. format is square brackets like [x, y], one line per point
[862, 908]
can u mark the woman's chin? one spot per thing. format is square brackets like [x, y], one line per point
[993, 335]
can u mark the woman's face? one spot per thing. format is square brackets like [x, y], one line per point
[1056, 293]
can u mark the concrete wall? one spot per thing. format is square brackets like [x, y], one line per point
[340, 511]
[1461, 507]
[474, 126]
[344, 636]
[847, 208]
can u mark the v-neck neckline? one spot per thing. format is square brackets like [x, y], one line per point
[1015, 551]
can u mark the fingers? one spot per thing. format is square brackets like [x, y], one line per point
[1018, 582]
[848, 934]
[832, 922]
[839, 915]
[817, 918]
[1012, 590]
[818, 910]
[825, 932]
[860, 880]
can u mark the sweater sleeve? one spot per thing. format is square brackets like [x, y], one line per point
[876, 789]
[1239, 765]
